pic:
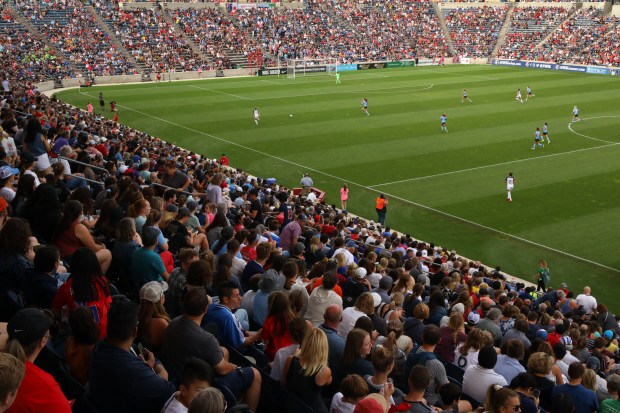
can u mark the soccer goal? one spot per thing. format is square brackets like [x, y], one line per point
[311, 67]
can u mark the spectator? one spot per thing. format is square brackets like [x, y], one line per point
[41, 282]
[490, 323]
[185, 339]
[307, 373]
[297, 328]
[332, 319]
[146, 264]
[197, 376]
[414, 326]
[539, 365]
[86, 286]
[466, 354]
[120, 380]
[518, 332]
[357, 347]
[584, 400]
[153, 319]
[383, 364]
[80, 343]
[501, 400]
[178, 281]
[586, 300]
[275, 331]
[321, 298]
[291, 232]
[210, 400]
[28, 332]
[267, 285]
[613, 387]
[481, 376]
[353, 389]
[451, 336]
[12, 371]
[364, 305]
[418, 381]
[508, 363]
[523, 384]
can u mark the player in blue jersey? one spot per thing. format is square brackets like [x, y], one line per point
[576, 117]
[365, 106]
[545, 133]
[537, 141]
[529, 93]
[443, 118]
[464, 98]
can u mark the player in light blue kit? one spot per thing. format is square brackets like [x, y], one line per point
[529, 93]
[365, 106]
[545, 133]
[443, 118]
[576, 117]
[537, 141]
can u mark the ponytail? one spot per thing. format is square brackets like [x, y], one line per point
[14, 348]
[497, 396]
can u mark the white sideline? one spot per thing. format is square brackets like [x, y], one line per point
[407, 201]
[223, 93]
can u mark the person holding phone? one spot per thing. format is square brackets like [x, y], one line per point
[529, 397]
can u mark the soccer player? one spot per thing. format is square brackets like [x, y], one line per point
[529, 93]
[443, 120]
[256, 116]
[537, 141]
[101, 102]
[465, 96]
[576, 117]
[337, 78]
[545, 133]
[365, 106]
[510, 184]
[519, 98]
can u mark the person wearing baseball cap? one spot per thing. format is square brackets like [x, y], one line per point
[28, 332]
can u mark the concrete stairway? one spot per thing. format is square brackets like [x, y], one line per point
[501, 36]
[548, 36]
[193, 46]
[444, 27]
[119, 45]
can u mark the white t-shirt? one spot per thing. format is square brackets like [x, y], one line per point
[173, 405]
[8, 194]
[280, 359]
[36, 178]
[587, 301]
[471, 359]
[477, 380]
[67, 166]
[349, 318]
[8, 144]
[338, 406]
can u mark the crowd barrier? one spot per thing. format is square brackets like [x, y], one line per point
[596, 70]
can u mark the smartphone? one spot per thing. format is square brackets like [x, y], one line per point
[141, 350]
[535, 393]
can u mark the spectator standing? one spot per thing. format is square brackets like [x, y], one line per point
[344, 196]
[381, 204]
[586, 300]
[306, 184]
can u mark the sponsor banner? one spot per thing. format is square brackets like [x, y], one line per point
[571, 68]
[505, 62]
[366, 66]
[465, 60]
[272, 72]
[347, 67]
[597, 70]
[401, 63]
[540, 65]
[309, 69]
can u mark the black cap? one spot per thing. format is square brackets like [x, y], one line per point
[29, 325]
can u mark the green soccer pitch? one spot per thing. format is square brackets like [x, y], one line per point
[446, 188]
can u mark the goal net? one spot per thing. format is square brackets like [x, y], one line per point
[311, 67]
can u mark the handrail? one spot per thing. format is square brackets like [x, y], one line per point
[98, 168]
[92, 181]
[176, 189]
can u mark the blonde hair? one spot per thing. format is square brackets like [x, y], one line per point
[365, 303]
[313, 352]
[474, 341]
[540, 363]
[589, 379]
[341, 259]
[12, 372]
[456, 324]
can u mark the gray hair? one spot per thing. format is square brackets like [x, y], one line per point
[209, 400]
[65, 151]
[494, 314]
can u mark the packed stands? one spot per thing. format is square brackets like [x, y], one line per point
[27, 58]
[474, 30]
[72, 30]
[530, 25]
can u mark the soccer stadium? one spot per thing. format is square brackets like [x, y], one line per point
[309, 206]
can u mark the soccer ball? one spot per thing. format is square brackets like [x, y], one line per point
[291, 116]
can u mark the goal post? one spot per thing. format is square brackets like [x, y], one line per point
[311, 67]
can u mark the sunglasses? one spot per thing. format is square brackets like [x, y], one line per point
[516, 408]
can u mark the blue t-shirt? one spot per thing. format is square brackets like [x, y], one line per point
[228, 327]
[585, 400]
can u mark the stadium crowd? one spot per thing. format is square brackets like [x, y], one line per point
[149, 273]
[474, 30]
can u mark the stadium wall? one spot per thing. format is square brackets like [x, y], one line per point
[593, 70]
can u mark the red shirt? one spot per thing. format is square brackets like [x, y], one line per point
[275, 339]
[63, 300]
[223, 160]
[39, 392]
[248, 253]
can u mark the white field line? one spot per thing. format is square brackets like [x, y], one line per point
[407, 201]
[418, 178]
[570, 127]
[223, 93]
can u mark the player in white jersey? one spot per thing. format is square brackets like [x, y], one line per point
[510, 184]
[576, 117]
[519, 98]
[545, 133]
[256, 116]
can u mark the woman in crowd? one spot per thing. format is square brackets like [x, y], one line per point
[539, 365]
[153, 319]
[307, 373]
[36, 142]
[501, 400]
[452, 335]
[437, 308]
[42, 209]
[275, 332]
[364, 305]
[466, 354]
[85, 286]
[139, 211]
[152, 221]
[25, 191]
[80, 343]
[357, 348]
[72, 234]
